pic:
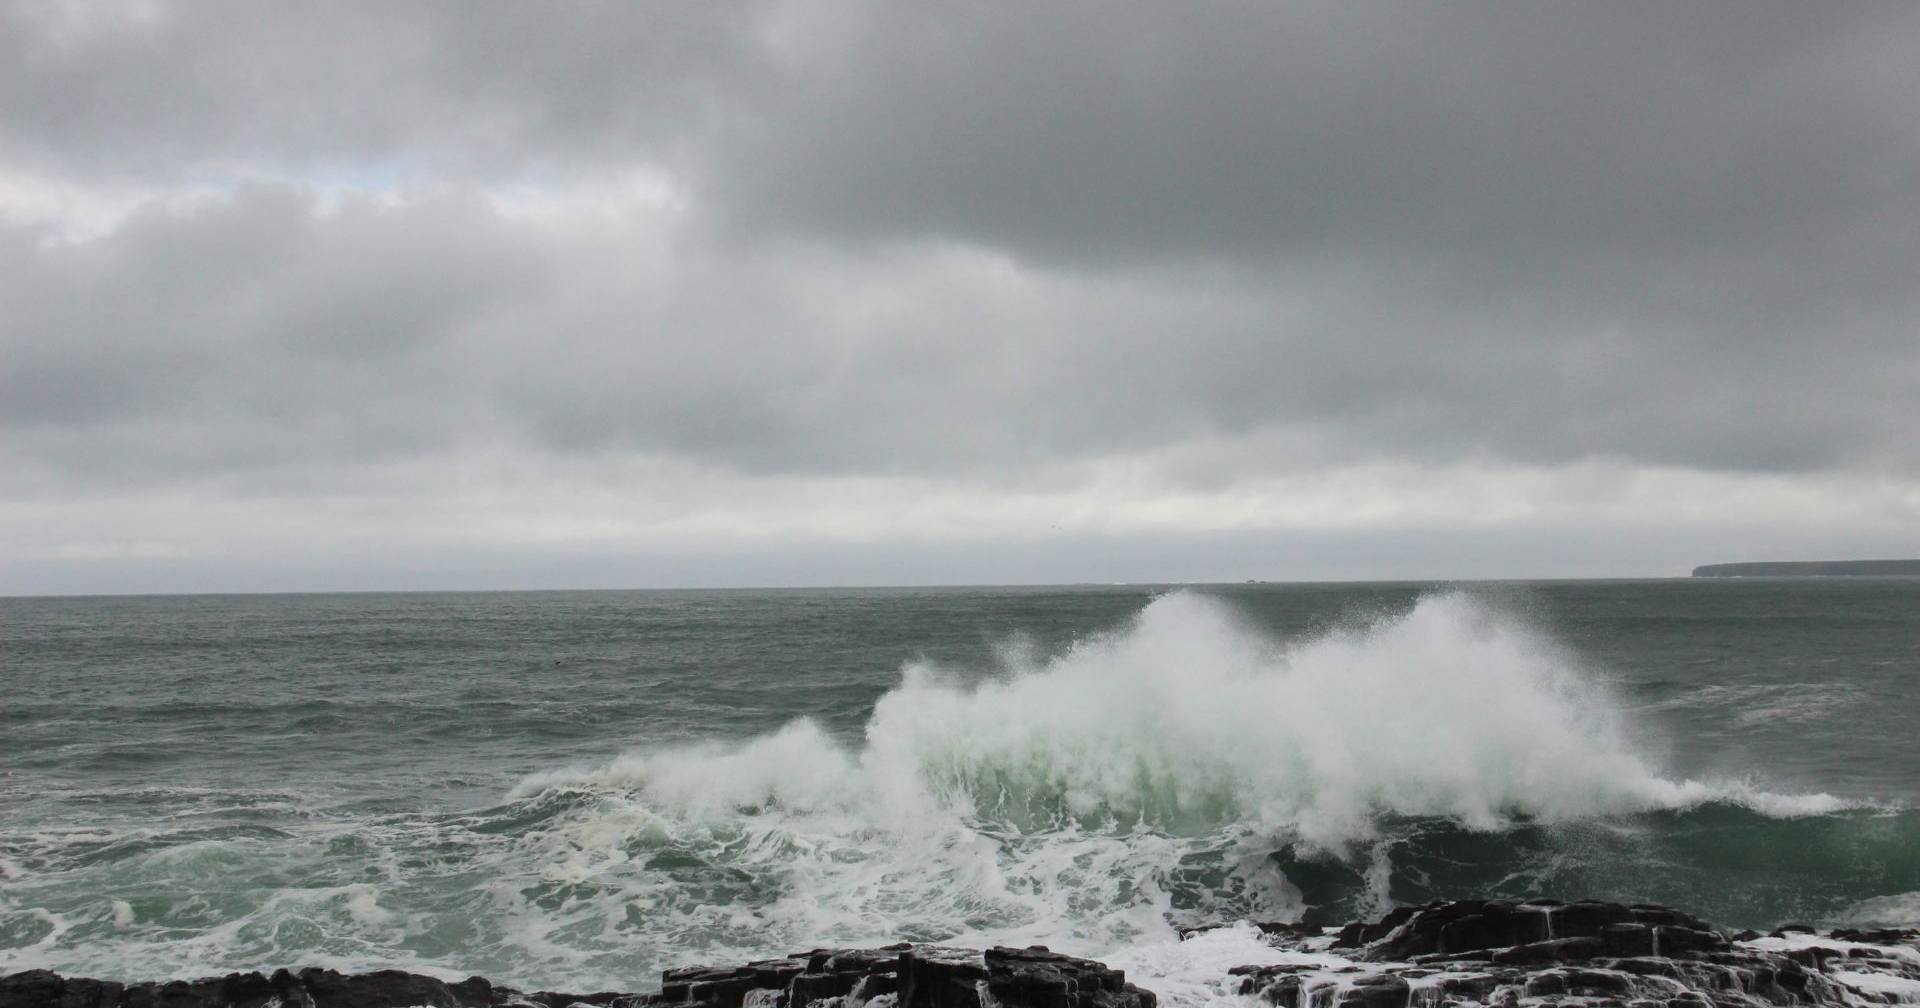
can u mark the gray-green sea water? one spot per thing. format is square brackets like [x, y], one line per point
[572, 790]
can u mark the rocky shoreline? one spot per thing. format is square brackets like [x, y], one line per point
[1543, 952]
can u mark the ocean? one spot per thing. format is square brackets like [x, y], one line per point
[575, 790]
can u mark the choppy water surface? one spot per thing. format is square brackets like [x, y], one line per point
[574, 790]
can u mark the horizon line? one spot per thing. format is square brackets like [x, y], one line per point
[855, 587]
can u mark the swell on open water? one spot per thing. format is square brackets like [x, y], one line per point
[574, 790]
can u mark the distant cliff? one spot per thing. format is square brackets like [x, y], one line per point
[1814, 568]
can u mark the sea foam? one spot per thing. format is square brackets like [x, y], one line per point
[1184, 766]
[1080, 799]
[1187, 720]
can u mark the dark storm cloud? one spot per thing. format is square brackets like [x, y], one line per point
[1097, 130]
[1005, 246]
[1625, 226]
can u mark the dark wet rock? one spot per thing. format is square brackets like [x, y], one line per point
[310, 988]
[1648, 967]
[1536, 954]
[1386, 991]
[1469, 986]
[1463, 926]
[1278, 990]
[1585, 918]
[1596, 955]
[41, 987]
[1553, 951]
[331, 989]
[1045, 979]
[881, 960]
[941, 978]
[1879, 936]
[1627, 940]
[874, 985]
[810, 987]
[1680, 940]
[1450, 929]
[1597, 982]
[913, 976]
[721, 988]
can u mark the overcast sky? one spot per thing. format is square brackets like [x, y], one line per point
[441, 295]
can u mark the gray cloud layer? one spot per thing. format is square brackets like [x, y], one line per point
[252, 249]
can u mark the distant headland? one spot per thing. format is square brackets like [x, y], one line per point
[1813, 568]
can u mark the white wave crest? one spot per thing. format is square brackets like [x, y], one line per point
[1187, 721]
[1900, 910]
[1076, 799]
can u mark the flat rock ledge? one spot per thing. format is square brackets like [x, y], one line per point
[1442, 955]
[897, 976]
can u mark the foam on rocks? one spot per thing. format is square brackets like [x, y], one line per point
[1442, 955]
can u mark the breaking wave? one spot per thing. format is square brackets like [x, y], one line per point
[1183, 768]
[1185, 721]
